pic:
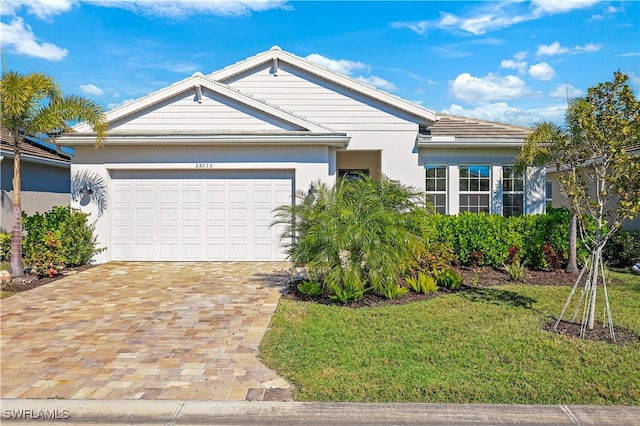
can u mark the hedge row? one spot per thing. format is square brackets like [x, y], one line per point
[538, 241]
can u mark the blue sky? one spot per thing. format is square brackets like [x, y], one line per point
[510, 61]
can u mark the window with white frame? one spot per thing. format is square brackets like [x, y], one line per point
[436, 187]
[549, 194]
[475, 188]
[512, 192]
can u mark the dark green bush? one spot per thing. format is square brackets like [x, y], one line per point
[448, 278]
[492, 240]
[623, 249]
[57, 239]
[310, 288]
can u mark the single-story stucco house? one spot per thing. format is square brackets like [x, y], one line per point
[194, 170]
[44, 173]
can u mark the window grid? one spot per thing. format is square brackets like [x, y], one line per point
[475, 188]
[512, 192]
[436, 187]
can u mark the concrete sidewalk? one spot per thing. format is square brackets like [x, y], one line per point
[172, 412]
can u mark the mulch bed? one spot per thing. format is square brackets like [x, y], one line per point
[486, 277]
[31, 281]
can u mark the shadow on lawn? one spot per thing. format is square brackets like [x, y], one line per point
[498, 297]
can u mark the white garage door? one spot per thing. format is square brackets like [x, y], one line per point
[203, 215]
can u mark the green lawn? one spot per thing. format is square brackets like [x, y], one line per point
[485, 346]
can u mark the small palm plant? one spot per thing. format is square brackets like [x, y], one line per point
[355, 236]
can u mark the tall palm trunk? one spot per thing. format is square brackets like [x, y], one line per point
[15, 266]
[572, 263]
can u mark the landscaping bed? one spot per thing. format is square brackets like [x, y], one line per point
[31, 281]
[484, 277]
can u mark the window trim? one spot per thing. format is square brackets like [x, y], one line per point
[488, 193]
[435, 179]
[514, 178]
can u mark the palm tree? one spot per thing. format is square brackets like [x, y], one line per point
[543, 146]
[33, 105]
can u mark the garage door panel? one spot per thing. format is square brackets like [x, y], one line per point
[203, 215]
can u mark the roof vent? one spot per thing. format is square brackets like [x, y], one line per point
[275, 48]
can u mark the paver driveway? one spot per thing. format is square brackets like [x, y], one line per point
[187, 331]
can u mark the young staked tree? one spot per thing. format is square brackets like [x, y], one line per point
[33, 105]
[601, 178]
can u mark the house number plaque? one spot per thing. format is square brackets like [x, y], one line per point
[204, 165]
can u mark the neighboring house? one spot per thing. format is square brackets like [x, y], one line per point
[555, 198]
[194, 170]
[44, 174]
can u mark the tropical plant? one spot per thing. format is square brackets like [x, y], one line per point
[356, 235]
[33, 106]
[394, 291]
[515, 270]
[449, 279]
[422, 283]
[310, 288]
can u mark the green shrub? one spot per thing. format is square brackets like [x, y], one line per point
[5, 247]
[310, 288]
[435, 255]
[359, 234]
[623, 249]
[515, 270]
[394, 291]
[449, 279]
[490, 240]
[422, 283]
[57, 239]
[346, 293]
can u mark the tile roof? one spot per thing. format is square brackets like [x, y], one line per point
[31, 148]
[464, 127]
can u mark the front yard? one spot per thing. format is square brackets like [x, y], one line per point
[485, 345]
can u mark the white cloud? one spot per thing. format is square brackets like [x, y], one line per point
[542, 71]
[521, 66]
[491, 16]
[186, 8]
[489, 88]
[91, 89]
[19, 38]
[417, 27]
[520, 56]
[551, 49]
[378, 82]
[43, 9]
[115, 105]
[560, 6]
[504, 113]
[481, 24]
[349, 68]
[565, 90]
[589, 47]
[556, 49]
[341, 66]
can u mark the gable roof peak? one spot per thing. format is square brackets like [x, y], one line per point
[227, 73]
[275, 47]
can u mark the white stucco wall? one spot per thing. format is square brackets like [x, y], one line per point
[308, 164]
